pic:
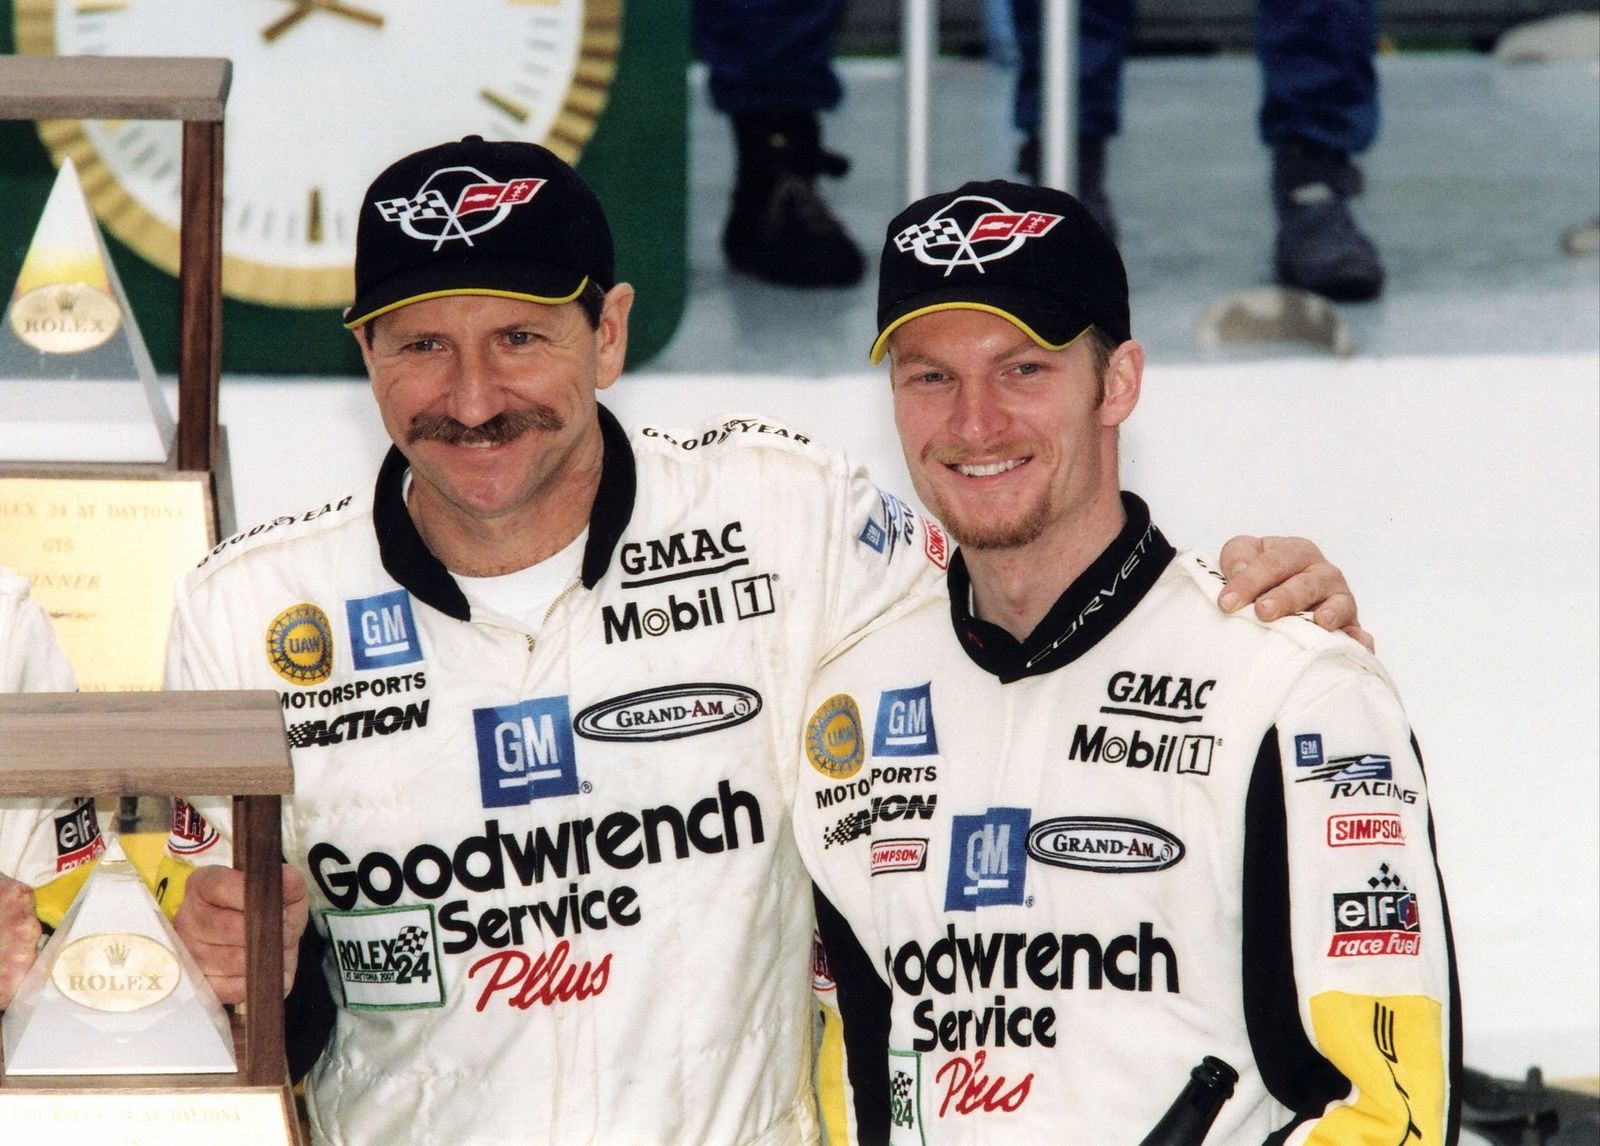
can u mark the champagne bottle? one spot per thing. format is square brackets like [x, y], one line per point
[1189, 1118]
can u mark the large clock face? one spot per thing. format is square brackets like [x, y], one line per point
[325, 95]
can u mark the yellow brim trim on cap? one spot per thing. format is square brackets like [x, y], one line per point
[366, 318]
[881, 346]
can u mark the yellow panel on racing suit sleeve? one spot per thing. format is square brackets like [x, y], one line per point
[1391, 1049]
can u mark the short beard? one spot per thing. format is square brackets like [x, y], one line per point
[506, 426]
[982, 535]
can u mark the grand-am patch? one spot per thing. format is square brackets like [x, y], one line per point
[387, 958]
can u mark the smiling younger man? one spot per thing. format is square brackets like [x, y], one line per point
[1073, 828]
[542, 691]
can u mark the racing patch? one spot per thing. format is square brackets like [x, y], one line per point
[821, 974]
[525, 752]
[936, 544]
[300, 645]
[905, 723]
[190, 833]
[387, 958]
[895, 523]
[1383, 919]
[382, 631]
[988, 859]
[1308, 750]
[78, 838]
[905, 1098]
[909, 854]
[834, 741]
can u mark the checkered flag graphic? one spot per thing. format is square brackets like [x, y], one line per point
[412, 940]
[930, 234]
[852, 827]
[428, 205]
[900, 1088]
[1387, 878]
[300, 734]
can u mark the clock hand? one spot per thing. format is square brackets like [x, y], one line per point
[302, 9]
[350, 12]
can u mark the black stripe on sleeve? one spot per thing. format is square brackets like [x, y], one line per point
[1292, 1069]
[864, 1011]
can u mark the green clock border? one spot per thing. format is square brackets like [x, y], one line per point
[637, 161]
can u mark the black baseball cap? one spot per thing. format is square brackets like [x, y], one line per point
[475, 217]
[1032, 255]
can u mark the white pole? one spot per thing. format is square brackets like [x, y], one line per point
[916, 50]
[1059, 131]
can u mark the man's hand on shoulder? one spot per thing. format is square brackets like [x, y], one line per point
[19, 936]
[211, 924]
[1285, 575]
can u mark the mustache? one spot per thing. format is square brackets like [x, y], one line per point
[506, 426]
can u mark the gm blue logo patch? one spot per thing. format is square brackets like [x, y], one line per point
[382, 632]
[525, 752]
[1308, 750]
[988, 859]
[905, 723]
[873, 536]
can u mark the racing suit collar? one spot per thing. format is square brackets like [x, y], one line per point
[408, 560]
[1088, 610]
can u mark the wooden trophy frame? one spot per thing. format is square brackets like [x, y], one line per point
[171, 744]
[103, 542]
[195, 91]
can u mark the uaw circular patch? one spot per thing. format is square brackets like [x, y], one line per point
[834, 743]
[300, 645]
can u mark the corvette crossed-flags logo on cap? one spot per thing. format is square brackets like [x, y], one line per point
[430, 216]
[1000, 225]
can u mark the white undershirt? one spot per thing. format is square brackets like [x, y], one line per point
[526, 594]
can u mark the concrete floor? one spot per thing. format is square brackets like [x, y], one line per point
[1479, 169]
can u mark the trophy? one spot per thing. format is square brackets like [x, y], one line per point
[115, 991]
[114, 1035]
[76, 383]
[104, 500]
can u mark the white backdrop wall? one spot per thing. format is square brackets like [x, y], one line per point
[1462, 498]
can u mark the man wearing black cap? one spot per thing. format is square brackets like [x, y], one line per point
[1073, 828]
[540, 691]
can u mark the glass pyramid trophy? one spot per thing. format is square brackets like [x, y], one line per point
[115, 992]
[76, 382]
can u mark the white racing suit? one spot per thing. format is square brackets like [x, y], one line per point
[1054, 875]
[47, 843]
[555, 875]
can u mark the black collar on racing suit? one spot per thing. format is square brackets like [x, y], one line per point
[1091, 607]
[409, 561]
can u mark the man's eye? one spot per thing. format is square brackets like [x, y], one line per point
[1028, 368]
[519, 337]
[422, 345]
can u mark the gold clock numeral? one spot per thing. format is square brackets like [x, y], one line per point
[504, 104]
[314, 216]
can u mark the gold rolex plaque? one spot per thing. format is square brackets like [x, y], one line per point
[76, 383]
[115, 992]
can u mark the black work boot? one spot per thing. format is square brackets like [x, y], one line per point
[1091, 176]
[1319, 247]
[779, 228]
